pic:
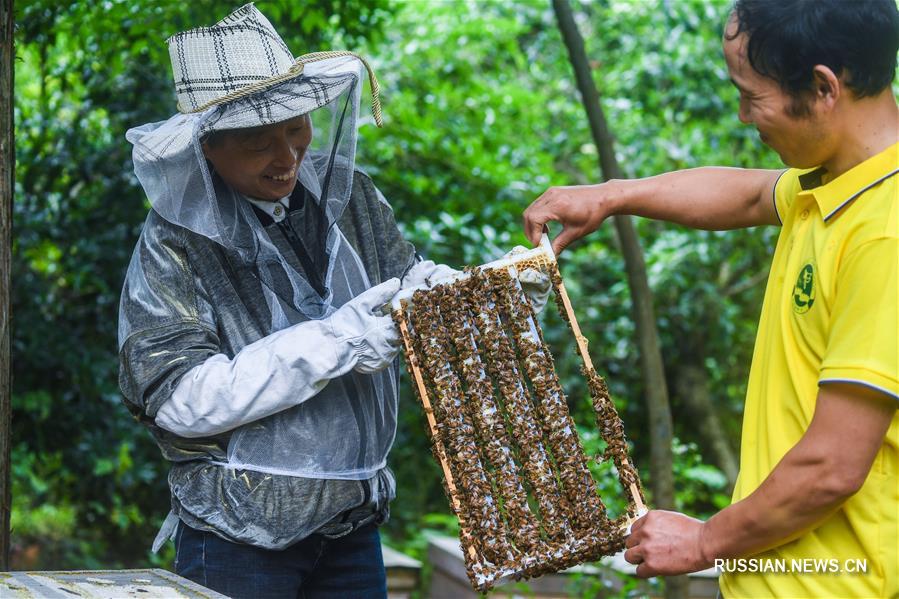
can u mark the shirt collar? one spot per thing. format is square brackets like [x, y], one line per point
[835, 195]
[277, 210]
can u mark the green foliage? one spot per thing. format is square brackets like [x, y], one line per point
[481, 116]
[700, 488]
[611, 584]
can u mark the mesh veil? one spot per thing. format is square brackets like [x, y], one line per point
[354, 416]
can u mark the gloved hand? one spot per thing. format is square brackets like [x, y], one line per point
[371, 337]
[427, 272]
[535, 284]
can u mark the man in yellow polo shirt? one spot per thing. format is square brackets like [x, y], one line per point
[816, 505]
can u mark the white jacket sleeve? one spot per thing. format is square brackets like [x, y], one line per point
[283, 369]
[277, 372]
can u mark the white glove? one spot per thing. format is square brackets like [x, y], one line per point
[535, 284]
[427, 272]
[372, 337]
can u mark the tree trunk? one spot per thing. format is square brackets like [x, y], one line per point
[7, 169]
[692, 389]
[661, 458]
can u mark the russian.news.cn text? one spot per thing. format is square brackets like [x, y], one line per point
[792, 566]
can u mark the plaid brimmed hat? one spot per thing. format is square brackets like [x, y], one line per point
[240, 55]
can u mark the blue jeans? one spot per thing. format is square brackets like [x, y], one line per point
[317, 567]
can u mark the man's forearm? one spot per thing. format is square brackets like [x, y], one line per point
[812, 480]
[714, 198]
[798, 494]
[775, 513]
[704, 198]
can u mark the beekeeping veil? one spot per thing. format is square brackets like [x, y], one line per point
[239, 74]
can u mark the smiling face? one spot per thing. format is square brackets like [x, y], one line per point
[792, 127]
[261, 162]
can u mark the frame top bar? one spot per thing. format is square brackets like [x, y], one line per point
[542, 253]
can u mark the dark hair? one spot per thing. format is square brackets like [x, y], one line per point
[787, 38]
[213, 138]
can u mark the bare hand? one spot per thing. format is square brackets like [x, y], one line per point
[666, 544]
[580, 209]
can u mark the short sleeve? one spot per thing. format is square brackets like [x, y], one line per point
[863, 342]
[785, 189]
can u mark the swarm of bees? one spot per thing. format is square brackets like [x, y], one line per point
[498, 419]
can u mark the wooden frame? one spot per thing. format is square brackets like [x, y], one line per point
[513, 467]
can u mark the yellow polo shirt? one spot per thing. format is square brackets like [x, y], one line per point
[830, 314]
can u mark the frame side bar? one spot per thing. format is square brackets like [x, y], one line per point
[399, 317]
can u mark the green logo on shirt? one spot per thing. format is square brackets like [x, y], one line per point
[804, 291]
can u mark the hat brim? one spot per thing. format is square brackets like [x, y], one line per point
[319, 84]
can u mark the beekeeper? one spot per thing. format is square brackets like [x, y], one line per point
[251, 341]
